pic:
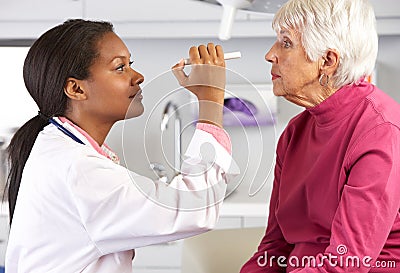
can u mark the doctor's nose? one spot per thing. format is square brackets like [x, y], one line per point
[137, 78]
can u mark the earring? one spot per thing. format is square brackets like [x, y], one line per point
[323, 82]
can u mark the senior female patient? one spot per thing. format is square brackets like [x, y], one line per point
[336, 194]
[73, 209]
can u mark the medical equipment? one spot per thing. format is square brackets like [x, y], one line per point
[230, 7]
[227, 56]
[65, 131]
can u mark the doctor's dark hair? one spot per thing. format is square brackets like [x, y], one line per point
[67, 50]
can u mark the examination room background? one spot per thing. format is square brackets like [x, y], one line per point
[139, 141]
[153, 57]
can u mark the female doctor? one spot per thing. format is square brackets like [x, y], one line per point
[72, 208]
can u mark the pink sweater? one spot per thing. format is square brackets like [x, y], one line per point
[336, 193]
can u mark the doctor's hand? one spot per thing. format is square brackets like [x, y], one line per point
[206, 80]
[207, 77]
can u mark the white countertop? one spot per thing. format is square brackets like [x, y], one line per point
[244, 209]
[240, 203]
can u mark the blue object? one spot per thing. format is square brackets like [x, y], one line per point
[65, 131]
[2, 269]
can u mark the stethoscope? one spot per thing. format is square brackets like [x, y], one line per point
[65, 131]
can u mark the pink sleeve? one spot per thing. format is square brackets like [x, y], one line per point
[218, 133]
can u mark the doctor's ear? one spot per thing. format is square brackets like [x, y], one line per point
[73, 90]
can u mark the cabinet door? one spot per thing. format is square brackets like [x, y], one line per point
[167, 255]
[39, 10]
[155, 10]
[225, 222]
[159, 270]
[254, 222]
[386, 8]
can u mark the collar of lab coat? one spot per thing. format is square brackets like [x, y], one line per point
[104, 149]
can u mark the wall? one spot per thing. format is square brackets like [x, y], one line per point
[154, 57]
[388, 65]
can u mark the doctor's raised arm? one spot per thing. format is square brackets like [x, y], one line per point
[72, 207]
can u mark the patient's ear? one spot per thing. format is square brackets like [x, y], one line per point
[330, 61]
[73, 89]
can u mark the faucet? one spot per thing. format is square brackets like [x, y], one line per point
[160, 170]
[170, 109]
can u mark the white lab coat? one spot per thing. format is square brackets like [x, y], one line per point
[77, 211]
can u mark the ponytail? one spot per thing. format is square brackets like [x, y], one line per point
[18, 152]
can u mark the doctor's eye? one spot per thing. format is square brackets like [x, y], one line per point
[122, 67]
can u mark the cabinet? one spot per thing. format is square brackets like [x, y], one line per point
[239, 213]
[387, 13]
[39, 10]
[167, 258]
[159, 18]
[151, 11]
[157, 270]
[27, 19]
[386, 8]
[161, 258]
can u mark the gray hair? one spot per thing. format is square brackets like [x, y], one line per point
[349, 26]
